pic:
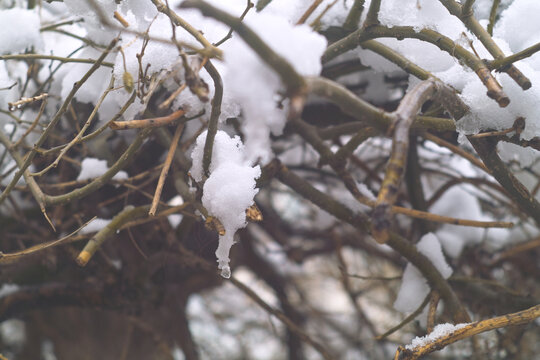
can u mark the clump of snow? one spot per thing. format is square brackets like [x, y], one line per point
[255, 86]
[157, 55]
[414, 287]
[524, 155]
[438, 332]
[92, 168]
[294, 10]
[420, 14]
[8, 289]
[518, 25]
[19, 30]
[94, 226]
[459, 202]
[92, 22]
[228, 191]
[175, 219]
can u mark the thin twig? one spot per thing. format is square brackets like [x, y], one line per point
[457, 150]
[12, 106]
[28, 159]
[13, 257]
[407, 320]
[52, 57]
[493, 16]
[80, 134]
[34, 124]
[147, 123]
[293, 81]
[165, 169]
[309, 11]
[214, 117]
[432, 312]
[229, 34]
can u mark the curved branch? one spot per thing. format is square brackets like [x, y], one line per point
[521, 317]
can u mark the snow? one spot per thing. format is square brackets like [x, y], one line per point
[8, 289]
[255, 86]
[228, 191]
[94, 226]
[175, 219]
[511, 152]
[420, 14]
[439, 331]
[519, 24]
[19, 30]
[92, 168]
[414, 287]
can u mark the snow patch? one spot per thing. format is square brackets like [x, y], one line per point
[228, 191]
[414, 287]
[92, 168]
[438, 332]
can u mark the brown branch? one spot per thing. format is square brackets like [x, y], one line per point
[432, 312]
[395, 168]
[147, 123]
[456, 150]
[165, 169]
[518, 318]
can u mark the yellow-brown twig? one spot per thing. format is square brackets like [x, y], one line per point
[167, 103]
[315, 23]
[449, 220]
[146, 123]
[165, 212]
[405, 321]
[417, 214]
[518, 249]
[165, 169]
[34, 123]
[12, 106]
[80, 134]
[518, 318]
[492, 133]
[457, 150]
[120, 19]
[432, 312]
[309, 11]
